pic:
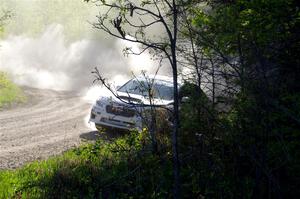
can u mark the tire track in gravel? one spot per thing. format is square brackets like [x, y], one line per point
[50, 123]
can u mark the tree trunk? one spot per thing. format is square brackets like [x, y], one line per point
[176, 166]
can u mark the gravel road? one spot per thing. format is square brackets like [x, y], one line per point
[48, 124]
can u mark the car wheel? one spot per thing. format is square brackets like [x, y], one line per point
[99, 128]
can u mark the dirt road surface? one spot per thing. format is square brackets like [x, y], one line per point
[48, 124]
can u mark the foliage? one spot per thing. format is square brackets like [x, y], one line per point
[255, 41]
[9, 92]
[4, 16]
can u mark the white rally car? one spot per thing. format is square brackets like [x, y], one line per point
[124, 110]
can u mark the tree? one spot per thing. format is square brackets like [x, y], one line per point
[243, 51]
[3, 18]
[130, 20]
[256, 41]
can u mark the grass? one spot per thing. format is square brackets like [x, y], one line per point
[123, 168]
[9, 92]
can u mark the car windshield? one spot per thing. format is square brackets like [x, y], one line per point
[160, 89]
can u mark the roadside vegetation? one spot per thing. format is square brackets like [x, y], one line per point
[9, 92]
[122, 168]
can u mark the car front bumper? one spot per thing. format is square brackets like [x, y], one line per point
[100, 117]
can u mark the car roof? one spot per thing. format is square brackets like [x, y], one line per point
[158, 78]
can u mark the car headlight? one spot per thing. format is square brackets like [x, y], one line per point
[99, 103]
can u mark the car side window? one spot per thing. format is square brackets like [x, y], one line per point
[159, 90]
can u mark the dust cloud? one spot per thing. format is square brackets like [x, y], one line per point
[48, 62]
[48, 45]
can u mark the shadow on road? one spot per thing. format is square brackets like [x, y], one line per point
[92, 135]
[104, 135]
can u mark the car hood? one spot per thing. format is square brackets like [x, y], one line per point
[124, 98]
